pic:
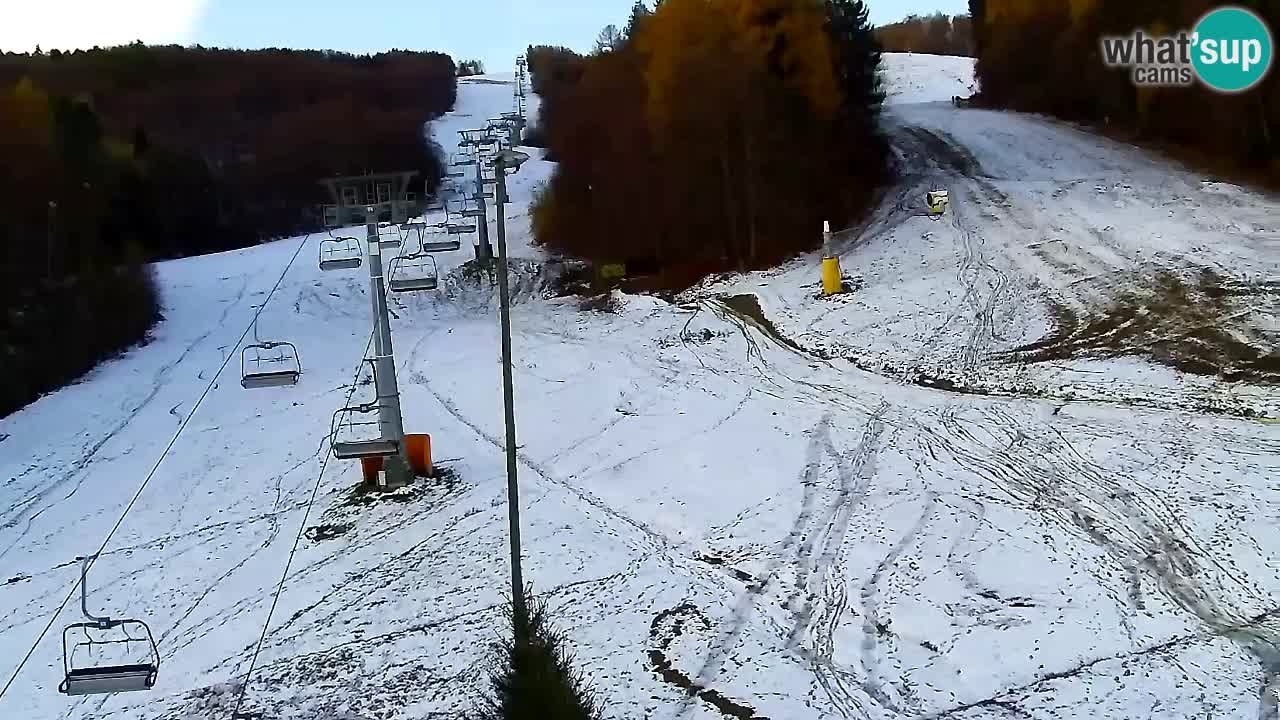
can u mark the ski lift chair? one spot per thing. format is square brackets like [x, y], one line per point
[388, 236]
[410, 230]
[412, 273]
[85, 679]
[340, 253]
[442, 245]
[269, 364]
[351, 437]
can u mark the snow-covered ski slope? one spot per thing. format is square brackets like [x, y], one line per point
[751, 493]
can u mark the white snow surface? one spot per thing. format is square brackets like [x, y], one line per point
[797, 537]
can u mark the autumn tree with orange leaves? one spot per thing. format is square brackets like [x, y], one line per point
[717, 135]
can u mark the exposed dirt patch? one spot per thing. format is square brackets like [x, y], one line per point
[946, 152]
[692, 337]
[605, 302]
[475, 282]
[748, 306]
[665, 629]
[741, 575]
[1192, 326]
[938, 382]
[318, 533]
[1013, 602]
[445, 481]
[1076, 337]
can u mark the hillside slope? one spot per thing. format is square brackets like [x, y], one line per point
[754, 493]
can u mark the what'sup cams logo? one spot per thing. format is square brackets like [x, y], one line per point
[1230, 50]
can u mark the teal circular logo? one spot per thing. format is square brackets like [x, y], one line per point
[1232, 49]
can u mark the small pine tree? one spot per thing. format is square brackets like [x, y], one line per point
[857, 57]
[978, 17]
[639, 11]
[536, 680]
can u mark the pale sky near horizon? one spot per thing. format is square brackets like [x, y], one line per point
[495, 31]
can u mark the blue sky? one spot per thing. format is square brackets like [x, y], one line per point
[494, 31]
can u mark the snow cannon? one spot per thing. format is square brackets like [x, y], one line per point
[417, 447]
[937, 200]
[831, 281]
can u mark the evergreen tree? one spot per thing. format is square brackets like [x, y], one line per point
[536, 679]
[857, 59]
[639, 11]
[978, 17]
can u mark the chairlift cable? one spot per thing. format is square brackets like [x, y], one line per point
[302, 527]
[172, 441]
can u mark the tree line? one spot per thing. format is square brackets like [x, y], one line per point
[710, 135]
[113, 158]
[1046, 56]
[935, 34]
[467, 68]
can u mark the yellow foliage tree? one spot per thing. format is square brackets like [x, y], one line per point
[788, 38]
[28, 111]
[1012, 11]
[26, 138]
[688, 45]
[741, 95]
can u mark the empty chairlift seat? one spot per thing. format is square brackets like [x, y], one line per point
[340, 253]
[441, 245]
[412, 273]
[83, 641]
[269, 364]
[389, 236]
[105, 655]
[355, 432]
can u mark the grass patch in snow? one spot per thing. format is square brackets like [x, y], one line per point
[317, 533]
[1188, 325]
[748, 306]
[606, 302]
[445, 478]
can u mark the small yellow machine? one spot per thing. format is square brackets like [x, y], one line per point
[937, 200]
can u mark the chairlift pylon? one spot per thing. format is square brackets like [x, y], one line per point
[340, 253]
[113, 678]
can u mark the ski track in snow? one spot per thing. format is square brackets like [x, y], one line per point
[709, 499]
